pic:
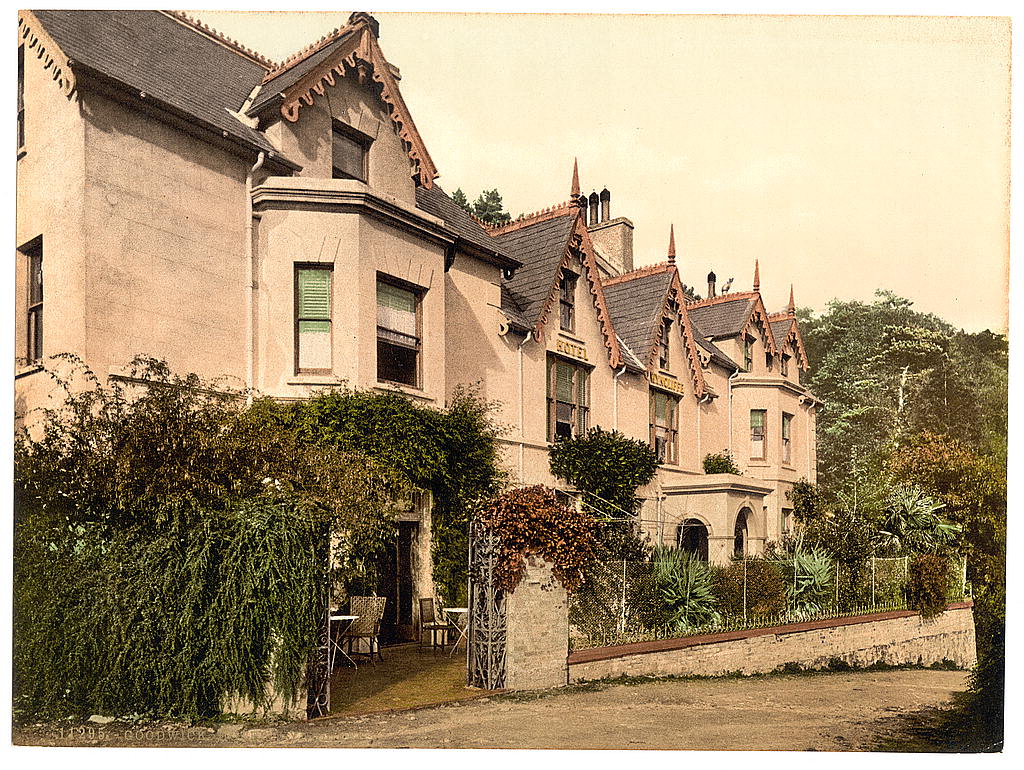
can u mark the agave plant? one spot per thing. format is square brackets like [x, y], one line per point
[686, 585]
[810, 583]
[911, 523]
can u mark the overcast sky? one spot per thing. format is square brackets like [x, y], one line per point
[847, 154]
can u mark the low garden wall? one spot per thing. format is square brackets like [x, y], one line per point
[893, 638]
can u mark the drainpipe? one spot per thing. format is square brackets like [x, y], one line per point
[700, 402]
[250, 324]
[522, 412]
[731, 378]
[615, 397]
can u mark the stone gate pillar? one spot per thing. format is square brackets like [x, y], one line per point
[537, 635]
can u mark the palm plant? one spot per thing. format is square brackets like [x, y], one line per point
[810, 580]
[911, 524]
[686, 585]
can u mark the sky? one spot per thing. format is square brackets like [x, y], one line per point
[846, 154]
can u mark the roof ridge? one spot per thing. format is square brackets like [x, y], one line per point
[304, 53]
[782, 315]
[525, 220]
[219, 37]
[723, 298]
[640, 272]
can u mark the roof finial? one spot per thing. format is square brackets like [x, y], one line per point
[757, 276]
[575, 192]
[671, 244]
[791, 307]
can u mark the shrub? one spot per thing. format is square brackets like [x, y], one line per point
[533, 521]
[810, 581]
[721, 463]
[927, 584]
[766, 591]
[686, 585]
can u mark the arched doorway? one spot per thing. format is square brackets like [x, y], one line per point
[739, 548]
[692, 536]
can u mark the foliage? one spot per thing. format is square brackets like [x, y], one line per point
[805, 501]
[488, 207]
[721, 463]
[460, 200]
[171, 546]
[765, 594]
[927, 584]
[453, 453]
[911, 524]
[686, 585]
[810, 580]
[609, 468]
[531, 520]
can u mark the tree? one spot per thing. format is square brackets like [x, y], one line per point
[459, 199]
[489, 209]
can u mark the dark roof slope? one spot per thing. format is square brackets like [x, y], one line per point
[780, 330]
[294, 74]
[436, 201]
[173, 63]
[540, 248]
[716, 353]
[635, 306]
[722, 319]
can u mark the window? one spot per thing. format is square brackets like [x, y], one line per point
[748, 354]
[567, 301]
[663, 341]
[787, 519]
[664, 426]
[313, 318]
[21, 97]
[568, 399]
[398, 334]
[757, 433]
[787, 444]
[784, 366]
[349, 152]
[33, 253]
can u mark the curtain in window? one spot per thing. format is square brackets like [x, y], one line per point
[396, 315]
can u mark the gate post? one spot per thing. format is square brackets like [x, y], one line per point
[537, 630]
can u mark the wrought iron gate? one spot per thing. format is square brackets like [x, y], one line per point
[318, 676]
[486, 613]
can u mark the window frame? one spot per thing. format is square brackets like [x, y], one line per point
[787, 438]
[417, 293]
[298, 318]
[567, 300]
[357, 137]
[671, 428]
[32, 251]
[664, 344]
[580, 420]
[784, 365]
[748, 353]
[21, 99]
[763, 435]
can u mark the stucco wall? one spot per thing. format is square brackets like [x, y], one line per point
[892, 638]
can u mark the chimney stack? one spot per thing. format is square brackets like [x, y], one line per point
[606, 205]
[711, 284]
[595, 202]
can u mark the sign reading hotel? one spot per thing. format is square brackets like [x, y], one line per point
[666, 383]
[571, 349]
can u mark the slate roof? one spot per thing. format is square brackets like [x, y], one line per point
[292, 75]
[629, 357]
[540, 248]
[635, 306]
[780, 329]
[436, 201]
[174, 64]
[716, 353]
[722, 319]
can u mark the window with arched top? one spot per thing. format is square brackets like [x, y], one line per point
[692, 536]
[739, 547]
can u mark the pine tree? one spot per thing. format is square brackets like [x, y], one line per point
[461, 201]
[489, 209]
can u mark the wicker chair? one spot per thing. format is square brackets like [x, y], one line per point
[370, 610]
[430, 623]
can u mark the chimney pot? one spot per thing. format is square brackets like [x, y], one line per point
[711, 284]
[606, 205]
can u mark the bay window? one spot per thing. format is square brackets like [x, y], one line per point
[398, 334]
[787, 444]
[313, 318]
[757, 434]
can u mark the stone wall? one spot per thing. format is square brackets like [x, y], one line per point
[893, 638]
[537, 630]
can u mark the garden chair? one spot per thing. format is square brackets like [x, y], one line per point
[370, 610]
[432, 624]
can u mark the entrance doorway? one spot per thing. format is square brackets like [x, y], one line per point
[692, 537]
[395, 581]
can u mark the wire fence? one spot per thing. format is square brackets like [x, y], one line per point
[622, 601]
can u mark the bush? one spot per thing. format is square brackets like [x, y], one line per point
[533, 521]
[810, 581]
[927, 584]
[686, 585]
[721, 463]
[766, 591]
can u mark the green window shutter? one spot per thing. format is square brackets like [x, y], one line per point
[756, 418]
[395, 298]
[314, 295]
[564, 383]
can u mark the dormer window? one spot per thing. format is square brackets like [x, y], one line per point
[663, 343]
[748, 353]
[567, 301]
[349, 152]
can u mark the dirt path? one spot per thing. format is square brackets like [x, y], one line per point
[823, 712]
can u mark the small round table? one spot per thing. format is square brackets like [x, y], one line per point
[459, 617]
[344, 623]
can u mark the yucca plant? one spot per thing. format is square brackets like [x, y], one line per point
[810, 583]
[686, 585]
[911, 523]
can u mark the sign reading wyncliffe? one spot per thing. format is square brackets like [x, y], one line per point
[665, 383]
